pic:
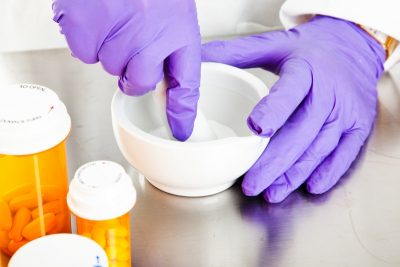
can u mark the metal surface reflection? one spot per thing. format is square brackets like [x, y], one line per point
[357, 223]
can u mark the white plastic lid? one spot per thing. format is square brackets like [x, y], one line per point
[32, 119]
[101, 190]
[60, 250]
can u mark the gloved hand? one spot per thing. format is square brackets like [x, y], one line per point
[324, 102]
[133, 39]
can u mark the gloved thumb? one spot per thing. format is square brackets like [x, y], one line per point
[268, 51]
[264, 50]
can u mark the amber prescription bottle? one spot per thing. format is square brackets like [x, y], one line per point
[101, 196]
[34, 124]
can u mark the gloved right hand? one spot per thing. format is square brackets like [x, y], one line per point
[136, 40]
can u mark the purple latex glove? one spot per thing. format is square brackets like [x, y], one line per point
[324, 102]
[136, 40]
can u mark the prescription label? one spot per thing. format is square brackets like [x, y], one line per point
[26, 103]
[99, 174]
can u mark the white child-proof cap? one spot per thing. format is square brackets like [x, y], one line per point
[101, 190]
[60, 250]
[32, 119]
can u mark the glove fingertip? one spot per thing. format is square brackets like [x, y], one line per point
[272, 196]
[248, 192]
[130, 89]
[181, 132]
[278, 190]
[216, 52]
[252, 184]
[316, 184]
[257, 129]
[206, 55]
[181, 111]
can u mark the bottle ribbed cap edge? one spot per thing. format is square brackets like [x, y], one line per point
[101, 190]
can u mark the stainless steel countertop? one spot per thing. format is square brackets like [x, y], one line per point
[357, 223]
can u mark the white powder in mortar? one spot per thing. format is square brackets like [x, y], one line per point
[222, 131]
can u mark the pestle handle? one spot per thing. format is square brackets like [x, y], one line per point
[202, 130]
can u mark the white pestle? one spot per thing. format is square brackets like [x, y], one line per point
[202, 130]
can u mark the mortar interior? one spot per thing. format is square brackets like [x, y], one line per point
[218, 104]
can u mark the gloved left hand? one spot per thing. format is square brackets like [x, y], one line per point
[324, 102]
[133, 39]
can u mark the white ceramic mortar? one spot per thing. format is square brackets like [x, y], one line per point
[228, 96]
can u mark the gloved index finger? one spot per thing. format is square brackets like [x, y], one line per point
[284, 97]
[183, 70]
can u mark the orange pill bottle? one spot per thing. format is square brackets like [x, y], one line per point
[101, 196]
[34, 125]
